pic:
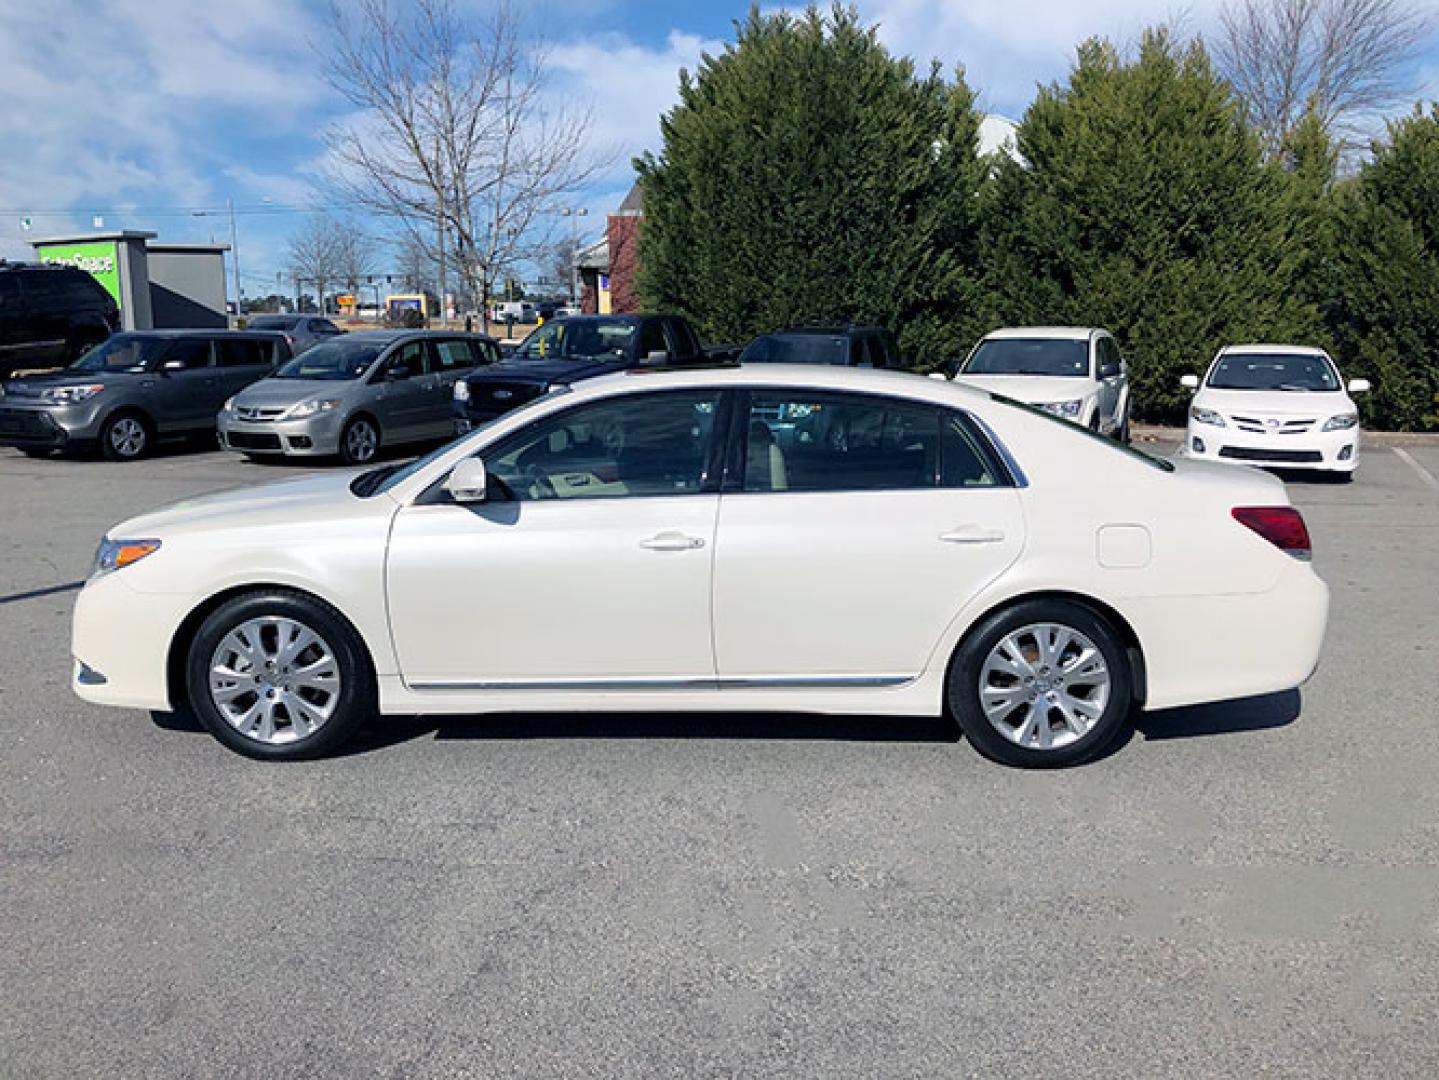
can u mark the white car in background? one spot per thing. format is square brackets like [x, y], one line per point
[1283, 406]
[778, 537]
[1075, 373]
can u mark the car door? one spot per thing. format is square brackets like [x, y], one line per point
[402, 390]
[186, 391]
[852, 530]
[242, 361]
[450, 358]
[588, 565]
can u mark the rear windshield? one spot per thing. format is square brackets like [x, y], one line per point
[121, 352]
[1273, 371]
[332, 360]
[1029, 356]
[797, 349]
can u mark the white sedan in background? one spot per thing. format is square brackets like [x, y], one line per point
[774, 538]
[1073, 372]
[1276, 405]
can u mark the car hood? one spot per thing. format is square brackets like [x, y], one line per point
[31, 385]
[304, 498]
[1315, 403]
[1033, 389]
[274, 393]
[548, 371]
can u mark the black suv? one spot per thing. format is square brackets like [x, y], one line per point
[51, 315]
[135, 388]
[841, 344]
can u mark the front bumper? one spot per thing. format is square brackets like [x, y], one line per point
[120, 643]
[312, 436]
[1326, 451]
[32, 426]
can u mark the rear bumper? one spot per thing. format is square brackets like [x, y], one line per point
[1327, 451]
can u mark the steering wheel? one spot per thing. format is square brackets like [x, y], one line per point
[540, 486]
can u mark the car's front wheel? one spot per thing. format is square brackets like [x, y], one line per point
[279, 675]
[126, 436]
[1042, 684]
[360, 441]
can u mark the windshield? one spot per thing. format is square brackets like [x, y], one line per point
[579, 339]
[1088, 433]
[796, 349]
[1273, 371]
[122, 352]
[1029, 356]
[332, 360]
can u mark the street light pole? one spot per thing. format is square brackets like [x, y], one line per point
[235, 258]
[574, 213]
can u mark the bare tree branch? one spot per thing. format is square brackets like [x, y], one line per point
[455, 136]
[1346, 61]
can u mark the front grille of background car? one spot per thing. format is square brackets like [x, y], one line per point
[1253, 453]
[1257, 425]
[264, 416]
[494, 394]
[245, 440]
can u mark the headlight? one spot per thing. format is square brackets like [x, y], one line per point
[68, 395]
[310, 408]
[115, 554]
[1068, 410]
[462, 390]
[228, 406]
[1342, 422]
[1206, 416]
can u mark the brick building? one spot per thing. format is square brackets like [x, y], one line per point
[607, 268]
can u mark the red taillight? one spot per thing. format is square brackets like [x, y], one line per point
[1282, 526]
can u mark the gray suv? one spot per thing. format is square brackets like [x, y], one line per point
[135, 388]
[355, 393]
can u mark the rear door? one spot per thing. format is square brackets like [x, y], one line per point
[242, 361]
[450, 359]
[852, 529]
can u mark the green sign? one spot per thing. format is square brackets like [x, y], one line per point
[101, 261]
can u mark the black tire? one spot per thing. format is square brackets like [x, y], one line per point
[126, 436]
[962, 689]
[351, 446]
[353, 704]
[35, 451]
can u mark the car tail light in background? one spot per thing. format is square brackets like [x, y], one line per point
[1282, 526]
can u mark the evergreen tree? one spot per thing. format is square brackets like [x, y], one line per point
[1144, 207]
[807, 174]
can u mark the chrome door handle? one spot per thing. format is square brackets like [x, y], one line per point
[672, 541]
[972, 534]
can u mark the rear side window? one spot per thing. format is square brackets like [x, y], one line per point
[188, 353]
[652, 339]
[242, 352]
[453, 355]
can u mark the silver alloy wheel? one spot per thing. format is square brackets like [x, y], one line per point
[127, 436]
[1044, 686]
[274, 679]
[361, 440]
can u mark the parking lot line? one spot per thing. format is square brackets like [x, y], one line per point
[1424, 474]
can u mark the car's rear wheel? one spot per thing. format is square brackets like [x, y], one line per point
[279, 675]
[126, 436]
[1042, 684]
[360, 441]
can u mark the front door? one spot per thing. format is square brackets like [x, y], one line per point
[852, 529]
[588, 565]
[187, 388]
[404, 393]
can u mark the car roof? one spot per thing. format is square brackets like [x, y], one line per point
[1058, 333]
[386, 337]
[1293, 350]
[197, 331]
[822, 330]
[805, 376]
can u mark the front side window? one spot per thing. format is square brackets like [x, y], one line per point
[188, 355]
[803, 441]
[646, 445]
[1273, 371]
[121, 352]
[1029, 356]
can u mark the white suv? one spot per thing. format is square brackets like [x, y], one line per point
[1276, 405]
[1075, 373]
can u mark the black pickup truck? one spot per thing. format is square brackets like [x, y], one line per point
[579, 347]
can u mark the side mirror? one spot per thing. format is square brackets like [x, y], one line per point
[397, 374]
[1359, 386]
[1189, 382]
[941, 376]
[173, 365]
[466, 482]
[1108, 371]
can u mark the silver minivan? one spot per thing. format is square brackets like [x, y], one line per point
[353, 394]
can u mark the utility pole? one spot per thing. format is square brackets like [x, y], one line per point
[574, 213]
[440, 222]
[235, 258]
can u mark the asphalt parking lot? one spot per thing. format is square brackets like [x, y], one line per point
[1243, 889]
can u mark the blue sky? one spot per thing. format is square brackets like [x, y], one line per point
[147, 111]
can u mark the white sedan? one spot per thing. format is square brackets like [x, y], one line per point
[769, 538]
[1276, 405]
